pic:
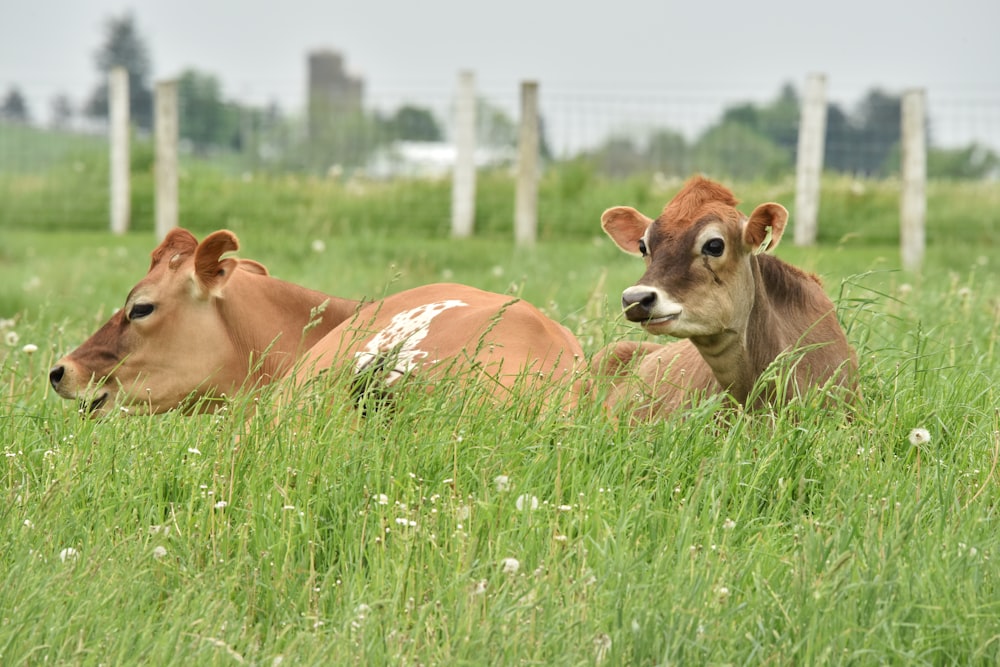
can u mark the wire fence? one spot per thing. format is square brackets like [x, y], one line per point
[408, 135]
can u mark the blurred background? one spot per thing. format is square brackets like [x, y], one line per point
[358, 95]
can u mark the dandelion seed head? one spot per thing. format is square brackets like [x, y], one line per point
[502, 483]
[221, 505]
[159, 552]
[510, 565]
[728, 524]
[11, 338]
[29, 349]
[318, 246]
[919, 436]
[69, 553]
[526, 502]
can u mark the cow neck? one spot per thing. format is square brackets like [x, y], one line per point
[738, 357]
[264, 314]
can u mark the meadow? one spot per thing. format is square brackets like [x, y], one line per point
[448, 532]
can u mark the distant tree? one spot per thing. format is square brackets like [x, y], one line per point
[737, 151]
[878, 128]
[61, 111]
[206, 120]
[411, 123]
[971, 162]
[14, 107]
[839, 141]
[668, 153]
[618, 156]
[778, 121]
[494, 128]
[124, 47]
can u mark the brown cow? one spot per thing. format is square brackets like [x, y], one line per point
[739, 310]
[199, 326]
[196, 327]
[440, 330]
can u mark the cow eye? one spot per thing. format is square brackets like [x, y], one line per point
[140, 310]
[642, 248]
[713, 247]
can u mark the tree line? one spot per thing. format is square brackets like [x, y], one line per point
[747, 141]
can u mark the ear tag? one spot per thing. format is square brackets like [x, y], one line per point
[765, 243]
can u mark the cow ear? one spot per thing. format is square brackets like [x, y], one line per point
[252, 266]
[210, 270]
[763, 229]
[626, 227]
[177, 243]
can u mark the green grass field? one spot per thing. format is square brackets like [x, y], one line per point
[449, 533]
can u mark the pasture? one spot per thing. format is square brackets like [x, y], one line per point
[447, 532]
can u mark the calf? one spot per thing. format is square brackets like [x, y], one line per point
[708, 282]
[196, 327]
[200, 326]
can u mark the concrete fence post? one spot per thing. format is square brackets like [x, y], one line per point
[166, 158]
[118, 134]
[526, 202]
[809, 164]
[463, 180]
[913, 165]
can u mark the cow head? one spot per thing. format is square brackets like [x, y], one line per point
[699, 276]
[168, 343]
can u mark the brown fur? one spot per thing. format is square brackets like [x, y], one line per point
[738, 311]
[219, 325]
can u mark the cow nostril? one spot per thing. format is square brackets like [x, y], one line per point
[56, 375]
[643, 300]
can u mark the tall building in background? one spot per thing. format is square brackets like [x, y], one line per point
[332, 91]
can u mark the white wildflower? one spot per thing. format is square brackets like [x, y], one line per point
[159, 552]
[919, 436]
[479, 588]
[29, 349]
[11, 338]
[318, 246]
[502, 483]
[382, 499]
[526, 502]
[221, 505]
[602, 645]
[69, 553]
[728, 524]
[510, 565]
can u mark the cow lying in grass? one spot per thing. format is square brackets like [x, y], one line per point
[201, 326]
[738, 310]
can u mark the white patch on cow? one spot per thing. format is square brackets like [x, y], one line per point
[405, 332]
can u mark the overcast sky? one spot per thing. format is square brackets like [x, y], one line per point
[257, 48]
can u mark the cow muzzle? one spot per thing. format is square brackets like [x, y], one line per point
[65, 383]
[649, 306]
